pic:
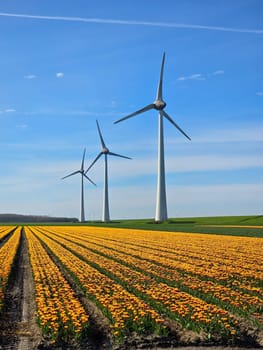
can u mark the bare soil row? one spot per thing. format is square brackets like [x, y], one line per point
[18, 328]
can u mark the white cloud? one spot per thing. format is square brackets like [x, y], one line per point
[42, 179]
[62, 199]
[134, 22]
[209, 200]
[59, 112]
[30, 76]
[10, 110]
[193, 200]
[213, 162]
[200, 76]
[21, 126]
[196, 76]
[249, 133]
[218, 72]
[113, 103]
[60, 75]
[139, 201]
[182, 78]
[138, 167]
[131, 193]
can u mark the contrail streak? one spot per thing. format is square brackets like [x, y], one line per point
[132, 22]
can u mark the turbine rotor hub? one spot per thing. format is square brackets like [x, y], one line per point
[105, 150]
[159, 104]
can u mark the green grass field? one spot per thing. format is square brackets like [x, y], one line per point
[202, 225]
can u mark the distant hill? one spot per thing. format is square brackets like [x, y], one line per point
[33, 218]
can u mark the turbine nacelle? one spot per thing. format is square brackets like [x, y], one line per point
[159, 105]
[105, 150]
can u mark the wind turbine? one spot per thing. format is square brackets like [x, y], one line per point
[106, 152]
[81, 171]
[159, 104]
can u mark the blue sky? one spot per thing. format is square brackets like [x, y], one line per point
[64, 64]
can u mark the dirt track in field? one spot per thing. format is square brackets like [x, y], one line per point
[18, 328]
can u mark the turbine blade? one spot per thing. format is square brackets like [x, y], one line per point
[75, 172]
[101, 138]
[144, 109]
[89, 179]
[82, 164]
[94, 161]
[159, 95]
[118, 155]
[177, 126]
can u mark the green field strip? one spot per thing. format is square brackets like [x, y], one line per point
[194, 225]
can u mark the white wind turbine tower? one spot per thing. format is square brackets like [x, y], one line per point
[82, 172]
[106, 152]
[159, 105]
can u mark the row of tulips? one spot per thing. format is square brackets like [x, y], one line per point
[126, 312]
[178, 305]
[5, 230]
[7, 255]
[59, 312]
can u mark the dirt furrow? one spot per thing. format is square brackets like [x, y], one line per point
[18, 328]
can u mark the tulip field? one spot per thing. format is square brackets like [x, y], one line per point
[119, 286]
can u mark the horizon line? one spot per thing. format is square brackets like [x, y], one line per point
[133, 22]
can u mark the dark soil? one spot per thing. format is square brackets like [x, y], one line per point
[18, 329]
